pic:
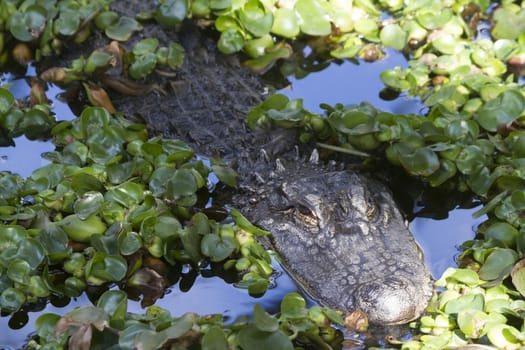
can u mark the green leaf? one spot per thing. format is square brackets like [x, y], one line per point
[504, 109]
[216, 247]
[498, 264]
[27, 25]
[225, 174]
[255, 19]
[313, 18]
[6, 100]
[114, 303]
[123, 29]
[286, 23]
[293, 306]
[182, 183]
[245, 224]
[252, 338]
[518, 276]
[231, 41]
[172, 12]
[465, 302]
[88, 204]
[393, 36]
[263, 321]
[214, 339]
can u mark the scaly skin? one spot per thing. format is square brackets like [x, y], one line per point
[338, 233]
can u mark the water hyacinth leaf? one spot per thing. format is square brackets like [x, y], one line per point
[68, 22]
[220, 4]
[175, 55]
[504, 336]
[264, 62]
[143, 65]
[31, 251]
[263, 321]
[293, 306]
[81, 230]
[225, 174]
[129, 243]
[214, 339]
[502, 232]
[106, 19]
[182, 183]
[420, 161]
[470, 160]
[123, 28]
[217, 248]
[6, 100]
[432, 20]
[518, 276]
[313, 19]
[36, 124]
[127, 194]
[105, 268]
[507, 24]
[129, 334]
[230, 41]
[245, 224]
[171, 12]
[255, 18]
[472, 323]
[498, 264]
[393, 36]
[27, 25]
[45, 325]
[12, 299]
[145, 46]
[114, 303]
[97, 60]
[18, 270]
[88, 204]
[83, 183]
[504, 109]
[252, 338]
[465, 302]
[285, 23]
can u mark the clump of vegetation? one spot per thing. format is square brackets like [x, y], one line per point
[117, 207]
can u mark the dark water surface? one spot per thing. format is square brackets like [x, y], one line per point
[347, 83]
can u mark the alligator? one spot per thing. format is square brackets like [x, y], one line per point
[338, 232]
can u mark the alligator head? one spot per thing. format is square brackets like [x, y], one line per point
[342, 237]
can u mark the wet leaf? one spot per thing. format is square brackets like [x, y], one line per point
[172, 12]
[285, 23]
[313, 18]
[263, 321]
[231, 41]
[498, 264]
[393, 36]
[122, 29]
[245, 224]
[252, 338]
[503, 109]
[465, 302]
[114, 303]
[6, 100]
[27, 25]
[214, 339]
[502, 232]
[255, 18]
[293, 306]
[216, 247]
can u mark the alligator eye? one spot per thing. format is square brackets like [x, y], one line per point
[305, 215]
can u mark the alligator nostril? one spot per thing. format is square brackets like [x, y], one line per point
[390, 301]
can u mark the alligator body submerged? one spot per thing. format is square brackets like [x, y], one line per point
[339, 233]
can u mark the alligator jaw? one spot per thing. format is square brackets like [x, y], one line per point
[341, 236]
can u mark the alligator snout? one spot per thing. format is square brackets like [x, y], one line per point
[390, 301]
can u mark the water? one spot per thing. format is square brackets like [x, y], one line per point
[346, 84]
[26, 155]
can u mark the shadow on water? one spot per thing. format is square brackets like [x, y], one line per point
[346, 83]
